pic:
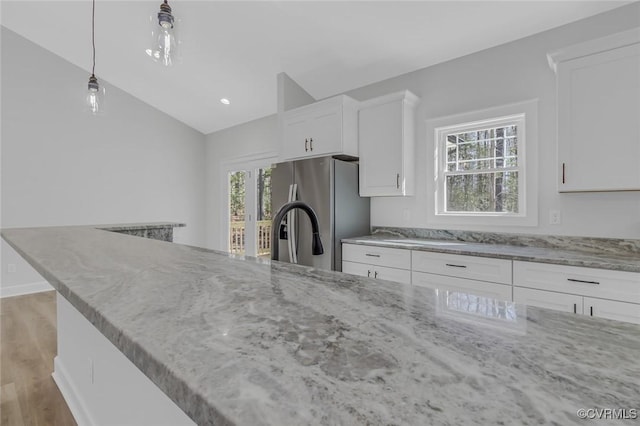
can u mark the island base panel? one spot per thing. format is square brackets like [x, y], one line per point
[100, 385]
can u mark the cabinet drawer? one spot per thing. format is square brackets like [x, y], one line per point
[548, 299]
[471, 267]
[377, 272]
[478, 288]
[600, 283]
[381, 256]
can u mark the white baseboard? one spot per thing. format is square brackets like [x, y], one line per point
[69, 393]
[19, 290]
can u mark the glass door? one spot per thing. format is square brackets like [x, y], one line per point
[237, 211]
[249, 211]
[263, 212]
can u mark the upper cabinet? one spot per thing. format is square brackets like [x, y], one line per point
[327, 127]
[598, 86]
[386, 144]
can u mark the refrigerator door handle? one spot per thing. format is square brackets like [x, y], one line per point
[291, 223]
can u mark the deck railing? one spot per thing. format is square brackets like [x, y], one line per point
[237, 237]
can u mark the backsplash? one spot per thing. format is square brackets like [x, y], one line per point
[610, 246]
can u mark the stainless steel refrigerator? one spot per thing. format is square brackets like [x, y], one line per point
[330, 187]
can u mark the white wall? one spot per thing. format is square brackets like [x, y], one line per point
[255, 138]
[513, 72]
[62, 166]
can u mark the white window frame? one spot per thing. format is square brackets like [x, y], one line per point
[524, 115]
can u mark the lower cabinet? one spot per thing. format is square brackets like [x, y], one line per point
[612, 309]
[548, 299]
[478, 288]
[588, 291]
[579, 290]
[379, 272]
[572, 303]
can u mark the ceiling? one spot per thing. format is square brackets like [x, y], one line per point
[234, 49]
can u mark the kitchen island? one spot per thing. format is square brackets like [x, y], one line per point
[242, 341]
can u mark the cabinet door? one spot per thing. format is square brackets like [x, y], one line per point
[598, 125]
[380, 135]
[325, 136]
[478, 288]
[295, 131]
[360, 269]
[378, 272]
[392, 274]
[548, 299]
[620, 311]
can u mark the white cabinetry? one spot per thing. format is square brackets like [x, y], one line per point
[598, 110]
[547, 299]
[588, 291]
[386, 145]
[328, 127]
[377, 262]
[478, 275]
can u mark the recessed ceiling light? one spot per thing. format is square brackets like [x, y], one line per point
[225, 101]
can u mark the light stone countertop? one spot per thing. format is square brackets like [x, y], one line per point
[243, 341]
[619, 262]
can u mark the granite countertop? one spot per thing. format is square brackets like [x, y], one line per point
[242, 341]
[135, 226]
[619, 261]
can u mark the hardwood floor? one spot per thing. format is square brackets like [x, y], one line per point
[29, 396]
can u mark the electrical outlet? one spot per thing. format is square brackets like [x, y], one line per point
[11, 268]
[554, 217]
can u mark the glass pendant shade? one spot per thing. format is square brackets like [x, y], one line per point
[95, 96]
[164, 38]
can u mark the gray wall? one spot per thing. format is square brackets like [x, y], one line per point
[61, 166]
[509, 73]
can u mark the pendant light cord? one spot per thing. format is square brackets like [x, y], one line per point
[93, 36]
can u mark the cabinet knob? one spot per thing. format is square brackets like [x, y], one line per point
[368, 273]
[375, 274]
[398, 180]
[311, 144]
[306, 145]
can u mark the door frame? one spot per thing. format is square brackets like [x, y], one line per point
[251, 162]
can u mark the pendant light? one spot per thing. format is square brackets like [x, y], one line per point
[95, 93]
[164, 40]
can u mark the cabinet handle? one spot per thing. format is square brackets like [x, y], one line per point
[575, 308]
[375, 274]
[311, 144]
[372, 255]
[591, 310]
[398, 180]
[582, 281]
[306, 145]
[563, 173]
[455, 266]
[368, 273]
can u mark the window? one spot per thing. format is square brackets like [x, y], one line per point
[483, 173]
